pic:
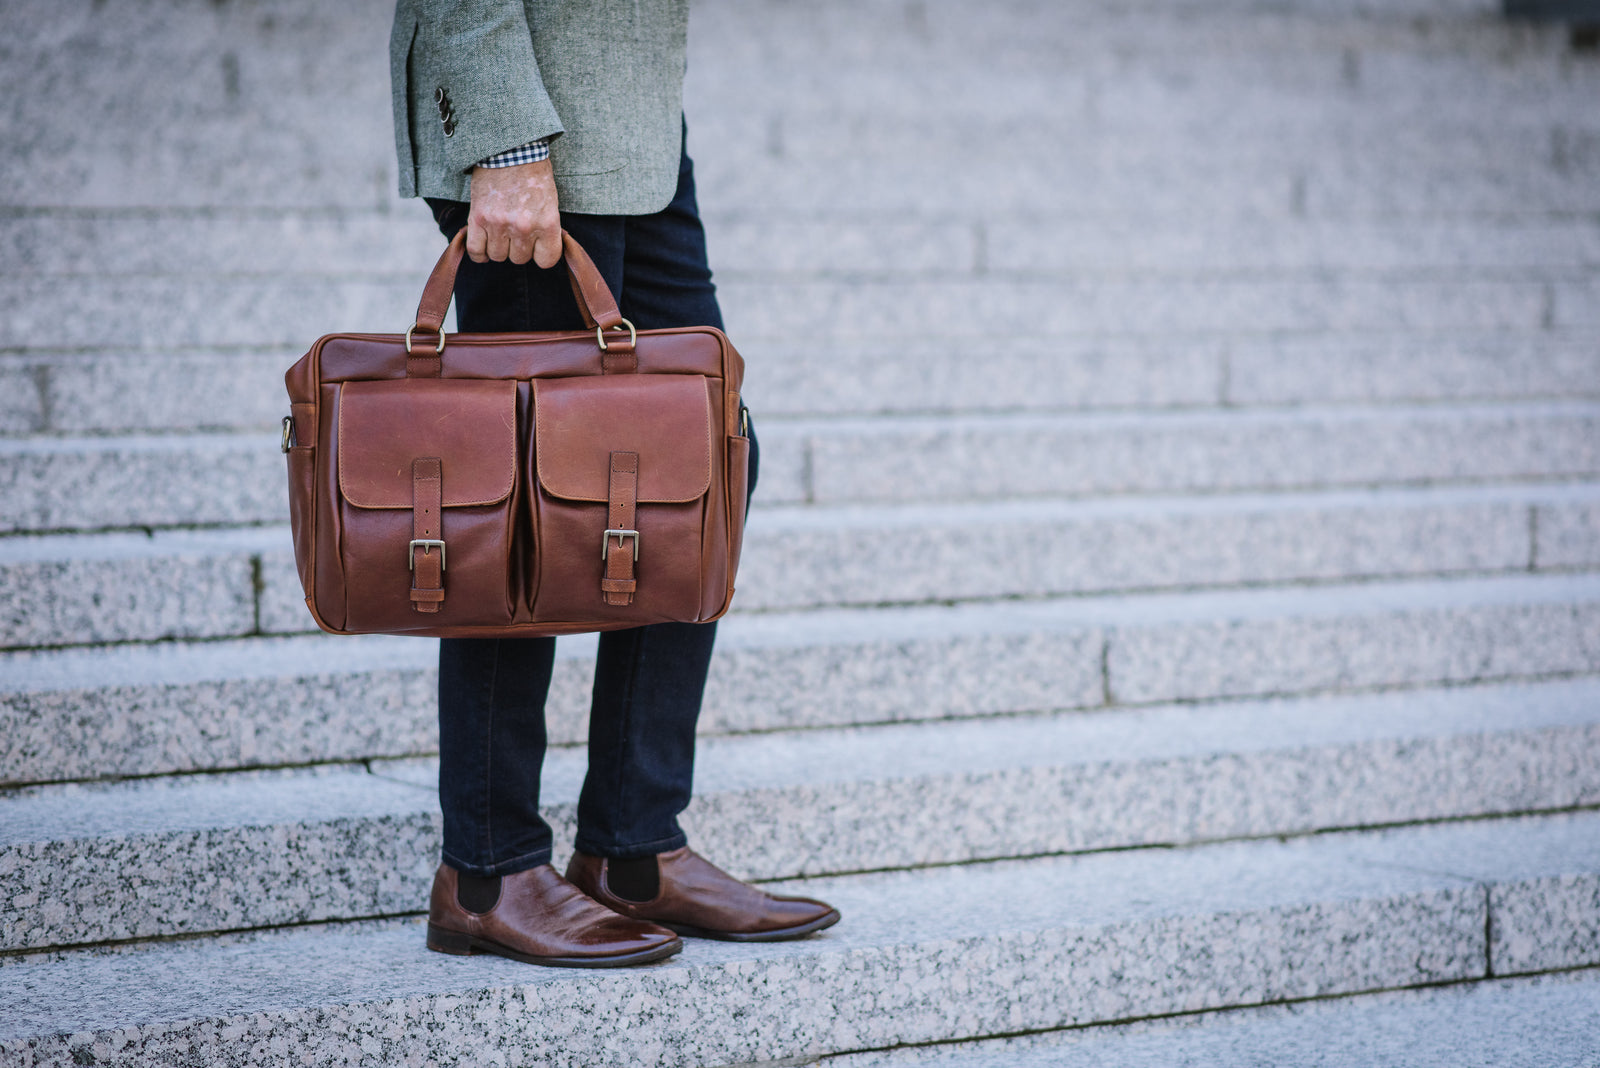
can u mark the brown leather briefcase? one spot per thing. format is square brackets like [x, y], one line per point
[510, 485]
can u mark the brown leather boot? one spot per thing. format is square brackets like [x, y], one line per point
[696, 898]
[538, 917]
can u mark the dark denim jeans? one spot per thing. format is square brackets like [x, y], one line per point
[648, 680]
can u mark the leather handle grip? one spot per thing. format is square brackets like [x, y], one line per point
[594, 297]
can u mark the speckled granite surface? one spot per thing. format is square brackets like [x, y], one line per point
[956, 457]
[825, 556]
[1544, 1022]
[151, 709]
[921, 956]
[1543, 876]
[160, 857]
[836, 556]
[157, 857]
[82, 864]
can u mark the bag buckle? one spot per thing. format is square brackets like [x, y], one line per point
[621, 536]
[426, 543]
[600, 335]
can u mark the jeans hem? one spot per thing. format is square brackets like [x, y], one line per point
[634, 851]
[535, 859]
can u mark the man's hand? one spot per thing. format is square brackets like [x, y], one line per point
[514, 215]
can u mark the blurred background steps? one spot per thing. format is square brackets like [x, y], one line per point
[1236, 368]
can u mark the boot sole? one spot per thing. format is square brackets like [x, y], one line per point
[458, 944]
[821, 923]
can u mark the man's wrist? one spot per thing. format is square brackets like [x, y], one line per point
[532, 152]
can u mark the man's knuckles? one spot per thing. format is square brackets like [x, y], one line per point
[515, 224]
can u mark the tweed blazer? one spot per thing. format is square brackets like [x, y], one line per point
[603, 78]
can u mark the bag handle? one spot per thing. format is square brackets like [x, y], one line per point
[594, 297]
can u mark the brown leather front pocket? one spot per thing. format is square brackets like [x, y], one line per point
[469, 427]
[657, 428]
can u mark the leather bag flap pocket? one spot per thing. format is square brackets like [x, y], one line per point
[665, 419]
[469, 424]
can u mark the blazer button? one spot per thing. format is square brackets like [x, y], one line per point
[440, 96]
[449, 127]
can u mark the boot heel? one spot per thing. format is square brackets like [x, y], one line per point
[443, 941]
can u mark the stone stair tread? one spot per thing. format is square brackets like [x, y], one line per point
[779, 805]
[74, 669]
[234, 800]
[1543, 1020]
[147, 709]
[825, 756]
[771, 519]
[1020, 945]
[965, 513]
[120, 390]
[350, 242]
[162, 313]
[166, 543]
[175, 663]
[235, 581]
[897, 458]
[184, 479]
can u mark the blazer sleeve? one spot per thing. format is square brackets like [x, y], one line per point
[480, 52]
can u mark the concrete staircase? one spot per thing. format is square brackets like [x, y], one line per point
[1173, 594]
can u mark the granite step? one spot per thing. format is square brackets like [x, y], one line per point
[165, 857]
[1043, 244]
[121, 391]
[182, 707]
[799, 556]
[1546, 1020]
[278, 64]
[887, 459]
[179, 480]
[922, 956]
[164, 313]
[1151, 180]
[94, 588]
[400, 243]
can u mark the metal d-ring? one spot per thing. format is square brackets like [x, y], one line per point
[600, 334]
[438, 349]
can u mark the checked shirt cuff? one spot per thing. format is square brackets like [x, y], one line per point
[532, 152]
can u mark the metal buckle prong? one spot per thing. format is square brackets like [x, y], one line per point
[426, 543]
[620, 535]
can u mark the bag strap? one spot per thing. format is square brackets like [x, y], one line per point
[589, 289]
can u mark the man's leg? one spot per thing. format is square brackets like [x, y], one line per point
[495, 891]
[491, 748]
[649, 681]
[492, 691]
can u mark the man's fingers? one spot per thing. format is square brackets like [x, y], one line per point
[514, 215]
[477, 241]
[498, 246]
[547, 249]
[521, 245]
